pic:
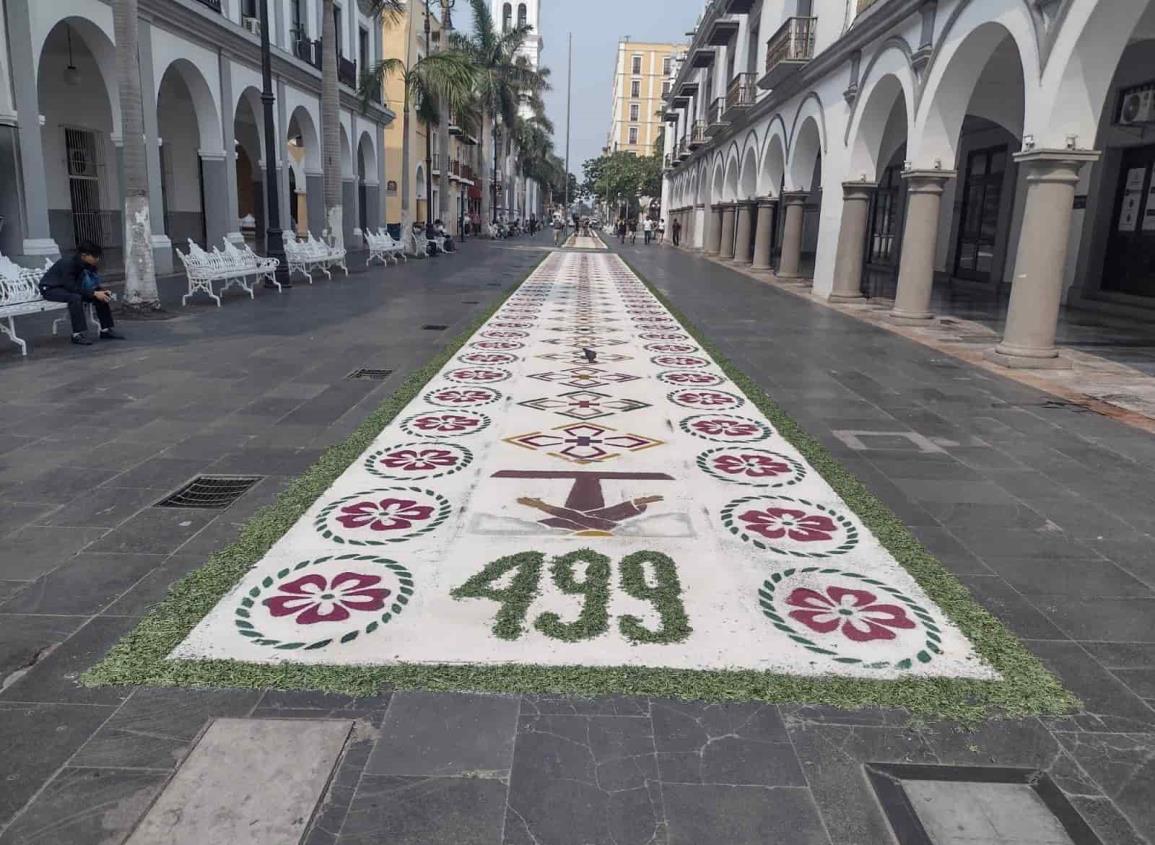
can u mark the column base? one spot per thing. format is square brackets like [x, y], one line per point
[1027, 362]
[903, 318]
[762, 268]
[840, 298]
[45, 247]
[801, 281]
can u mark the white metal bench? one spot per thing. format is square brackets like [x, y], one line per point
[420, 244]
[20, 296]
[305, 256]
[234, 267]
[383, 248]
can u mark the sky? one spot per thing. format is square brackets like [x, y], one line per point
[597, 25]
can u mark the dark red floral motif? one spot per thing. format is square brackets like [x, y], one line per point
[312, 599]
[802, 527]
[488, 358]
[679, 361]
[445, 422]
[463, 396]
[705, 398]
[723, 427]
[701, 379]
[856, 612]
[477, 375]
[384, 515]
[419, 460]
[496, 344]
[751, 465]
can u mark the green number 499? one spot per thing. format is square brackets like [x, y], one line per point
[646, 576]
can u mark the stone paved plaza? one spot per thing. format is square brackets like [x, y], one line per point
[1042, 512]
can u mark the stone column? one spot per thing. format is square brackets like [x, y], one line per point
[726, 248]
[281, 127]
[790, 264]
[764, 233]
[372, 204]
[215, 190]
[1037, 290]
[744, 231]
[37, 241]
[919, 240]
[228, 139]
[315, 201]
[698, 225]
[349, 213]
[162, 254]
[713, 230]
[851, 241]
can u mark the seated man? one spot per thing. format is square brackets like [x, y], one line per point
[73, 280]
[442, 232]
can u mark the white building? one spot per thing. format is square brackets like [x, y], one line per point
[517, 196]
[204, 127]
[880, 144]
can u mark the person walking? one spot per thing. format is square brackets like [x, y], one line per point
[677, 231]
[622, 231]
[633, 227]
[662, 230]
[558, 229]
[648, 231]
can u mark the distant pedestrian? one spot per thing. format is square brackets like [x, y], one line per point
[633, 227]
[677, 230]
[648, 231]
[662, 230]
[74, 281]
[622, 230]
[558, 230]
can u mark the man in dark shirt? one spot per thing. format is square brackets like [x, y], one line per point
[73, 280]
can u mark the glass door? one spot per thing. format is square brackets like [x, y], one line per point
[982, 200]
[1130, 263]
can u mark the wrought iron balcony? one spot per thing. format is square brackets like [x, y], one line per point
[697, 134]
[788, 49]
[215, 5]
[435, 163]
[716, 117]
[347, 72]
[683, 151]
[740, 94]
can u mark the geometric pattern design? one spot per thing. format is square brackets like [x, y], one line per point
[583, 443]
[584, 377]
[584, 405]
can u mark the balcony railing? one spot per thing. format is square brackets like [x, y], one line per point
[435, 162]
[788, 49]
[215, 5]
[682, 151]
[697, 134]
[716, 117]
[347, 72]
[740, 94]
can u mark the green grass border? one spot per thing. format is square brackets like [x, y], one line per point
[1026, 688]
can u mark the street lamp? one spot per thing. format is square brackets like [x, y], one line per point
[429, 143]
[274, 237]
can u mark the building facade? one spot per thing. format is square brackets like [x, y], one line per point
[883, 147]
[641, 84]
[404, 36]
[517, 198]
[60, 141]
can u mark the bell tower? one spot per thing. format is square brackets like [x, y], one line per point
[510, 13]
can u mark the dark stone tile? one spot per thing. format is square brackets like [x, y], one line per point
[1133, 554]
[14, 515]
[83, 585]
[948, 550]
[204, 447]
[106, 507]
[154, 531]
[1019, 743]
[967, 518]
[1094, 578]
[328, 702]
[121, 454]
[444, 734]
[35, 550]
[833, 756]
[11, 588]
[156, 727]
[330, 814]
[564, 705]
[1088, 618]
[264, 461]
[56, 677]
[1045, 544]
[86, 807]
[925, 490]
[731, 743]
[1123, 765]
[166, 474]
[1011, 608]
[584, 780]
[741, 815]
[423, 811]
[26, 639]
[1123, 655]
[56, 486]
[1107, 703]
[1105, 819]
[35, 740]
[154, 586]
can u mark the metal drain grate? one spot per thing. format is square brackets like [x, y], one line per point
[373, 375]
[434, 328]
[471, 302]
[211, 492]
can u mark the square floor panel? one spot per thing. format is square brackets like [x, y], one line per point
[984, 814]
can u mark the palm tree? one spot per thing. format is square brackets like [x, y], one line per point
[443, 122]
[441, 78]
[331, 106]
[503, 77]
[140, 292]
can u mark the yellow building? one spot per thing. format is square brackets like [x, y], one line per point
[404, 37]
[641, 81]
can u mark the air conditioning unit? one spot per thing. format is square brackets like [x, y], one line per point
[253, 25]
[1137, 105]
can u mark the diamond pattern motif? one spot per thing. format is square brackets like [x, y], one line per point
[585, 405]
[583, 443]
[584, 377]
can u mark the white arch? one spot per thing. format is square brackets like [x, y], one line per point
[420, 182]
[748, 175]
[968, 42]
[1080, 67]
[310, 140]
[718, 184]
[367, 157]
[889, 80]
[774, 149]
[730, 186]
[203, 101]
[251, 98]
[346, 154]
[807, 143]
[97, 39]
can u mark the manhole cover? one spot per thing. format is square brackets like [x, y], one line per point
[211, 492]
[373, 375]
